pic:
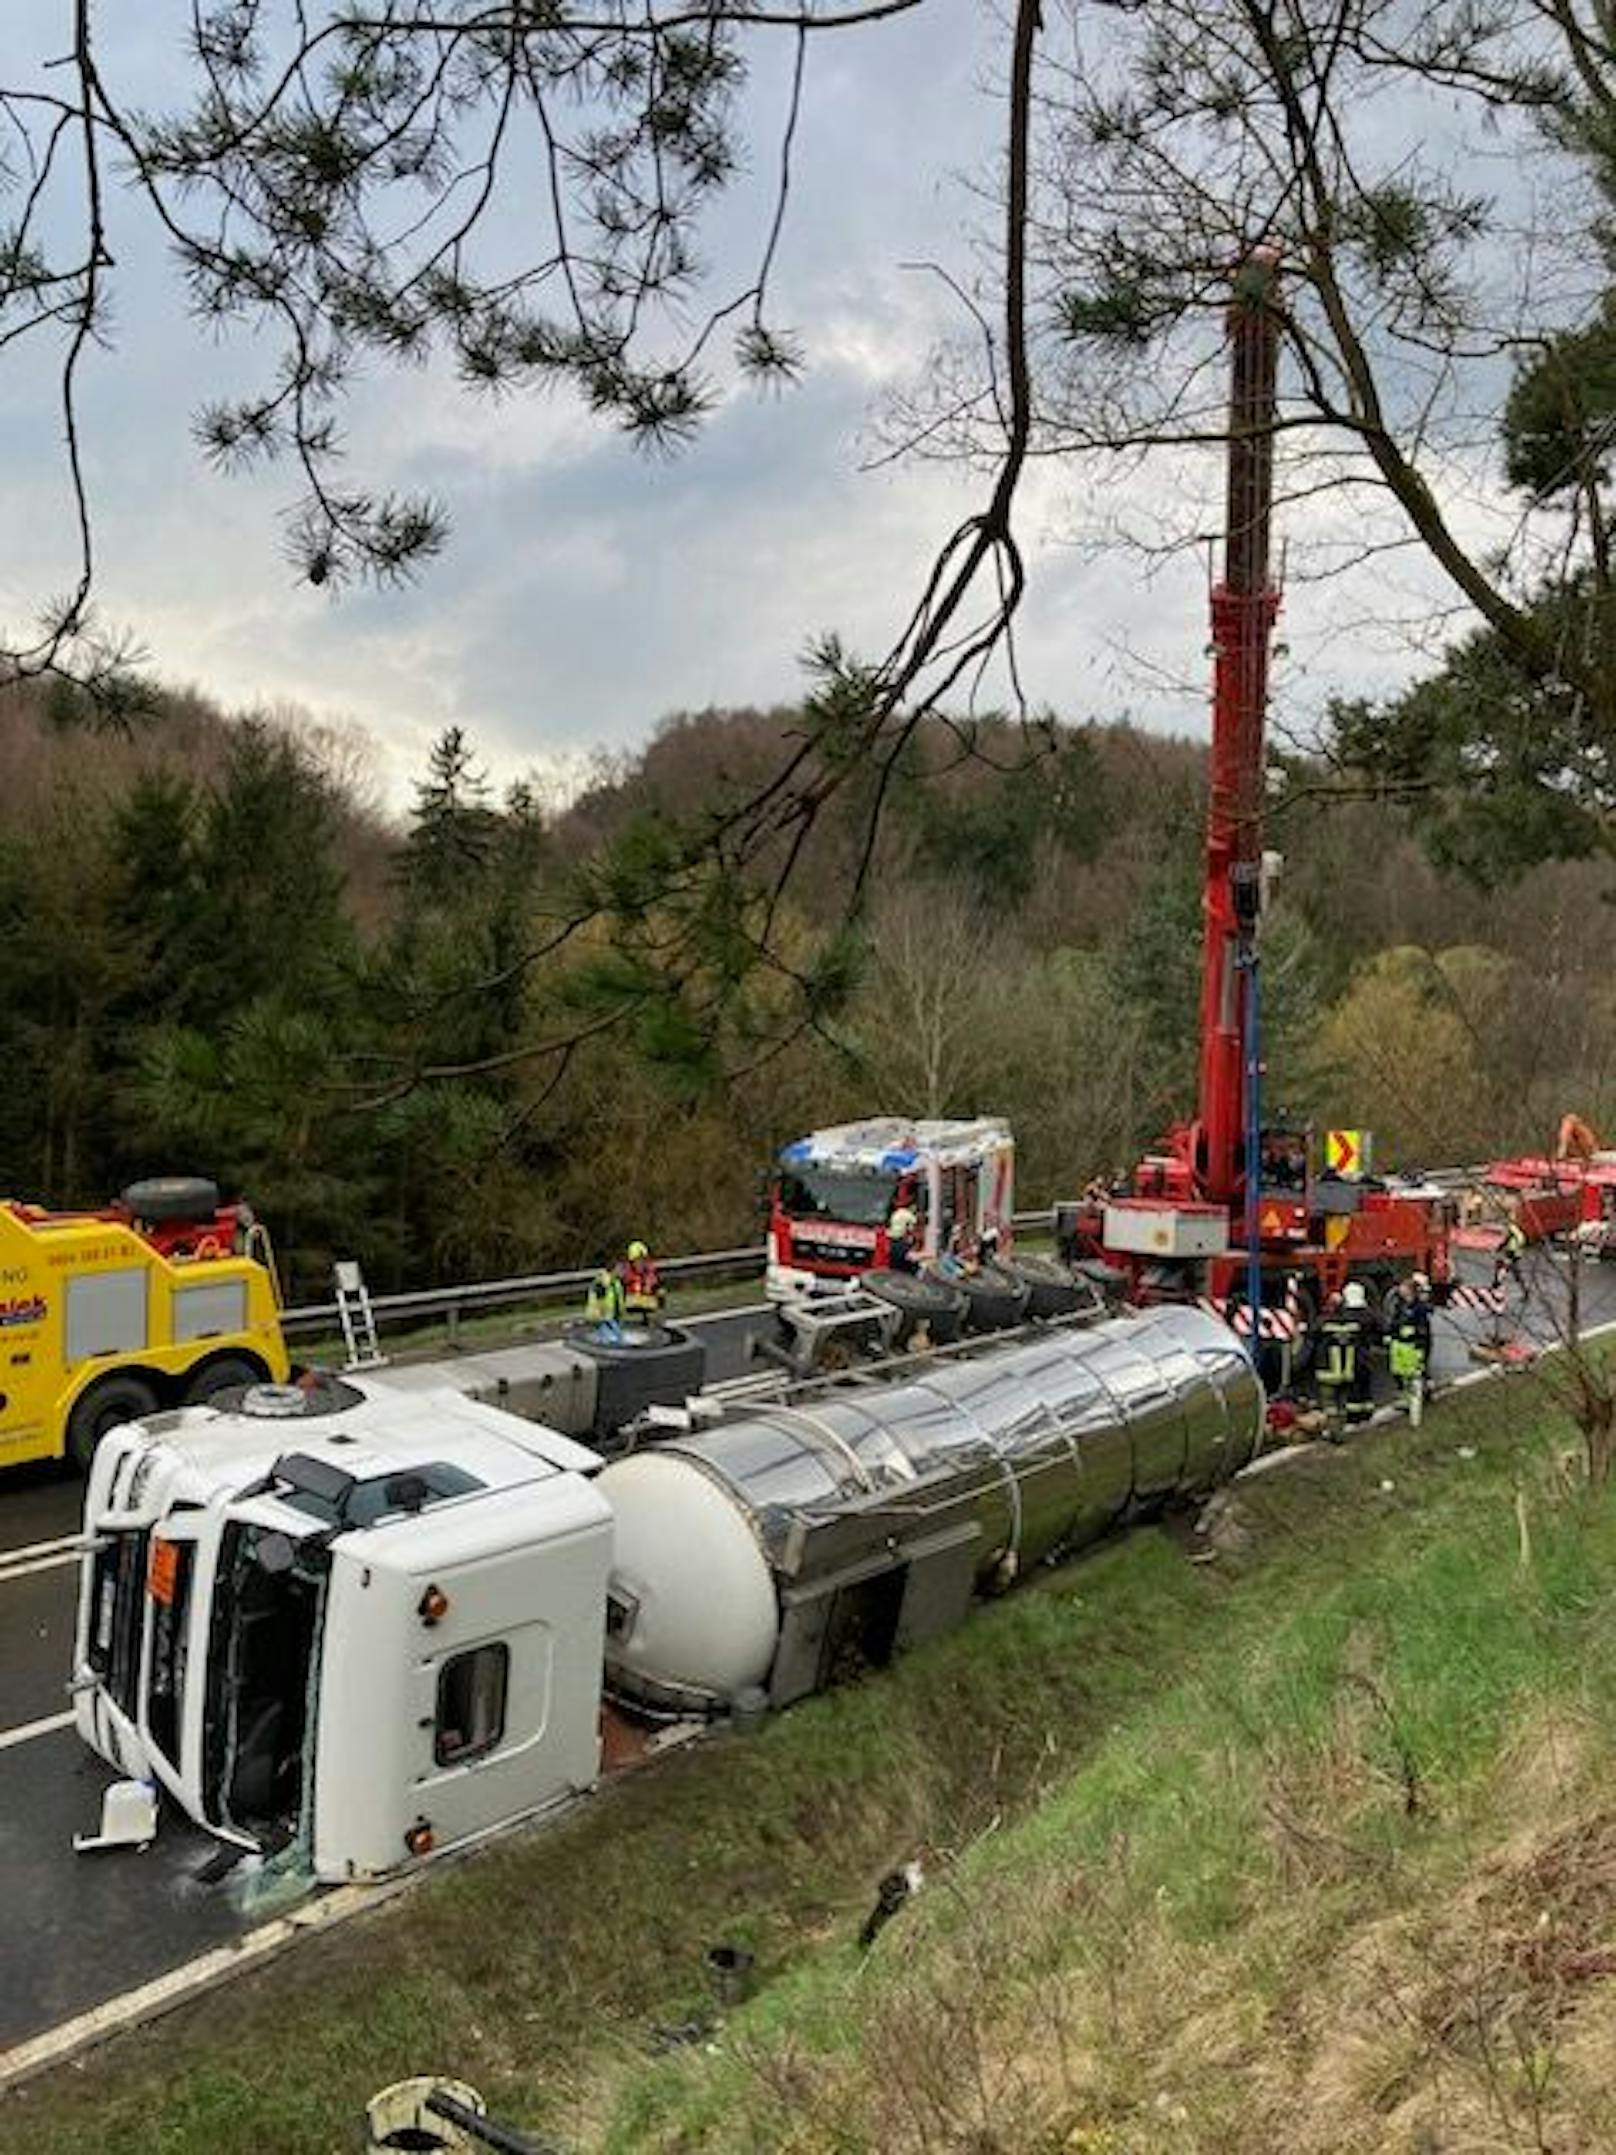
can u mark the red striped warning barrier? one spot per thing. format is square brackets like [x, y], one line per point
[1282, 1321]
[1463, 1296]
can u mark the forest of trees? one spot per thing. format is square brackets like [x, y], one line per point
[417, 1043]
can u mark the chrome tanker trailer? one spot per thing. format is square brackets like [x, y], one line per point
[368, 1623]
[798, 1540]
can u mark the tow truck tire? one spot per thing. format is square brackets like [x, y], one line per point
[995, 1300]
[108, 1402]
[940, 1308]
[1051, 1289]
[173, 1197]
[225, 1373]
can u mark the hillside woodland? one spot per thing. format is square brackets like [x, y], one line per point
[410, 1040]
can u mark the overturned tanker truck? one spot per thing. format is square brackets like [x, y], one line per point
[361, 1622]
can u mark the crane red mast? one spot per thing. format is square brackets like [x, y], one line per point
[1244, 607]
[1226, 1203]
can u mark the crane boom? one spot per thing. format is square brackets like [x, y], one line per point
[1244, 606]
[1229, 1204]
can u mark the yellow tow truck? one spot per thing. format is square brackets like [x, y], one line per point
[160, 1300]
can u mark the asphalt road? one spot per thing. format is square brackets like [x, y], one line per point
[82, 1929]
[77, 1930]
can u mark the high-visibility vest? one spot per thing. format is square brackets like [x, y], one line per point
[605, 1304]
[1338, 1352]
[1514, 1239]
[1406, 1354]
[641, 1289]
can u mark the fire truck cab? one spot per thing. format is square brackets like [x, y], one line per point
[834, 1192]
[163, 1298]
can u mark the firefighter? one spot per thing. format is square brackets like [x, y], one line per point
[963, 1257]
[901, 1225]
[604, 1305]
[642, 1288]
[1408, 1328]
[1343, 1342]
[1510, 1251]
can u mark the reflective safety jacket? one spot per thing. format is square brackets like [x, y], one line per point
[642, 1289]
[1341, 1342]
[606, 1303]
[1410, 1347]
[1344, 1340]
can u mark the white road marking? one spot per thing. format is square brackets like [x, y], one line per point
[26, 1731]
[167, 1991]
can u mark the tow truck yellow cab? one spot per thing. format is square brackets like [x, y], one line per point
[161, 1300]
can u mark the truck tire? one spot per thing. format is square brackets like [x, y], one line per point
[109, 1401]
[173, 1197]
[940, 1308]
[995, 1300]
[225, 1373]
[1051, 1289]
[660, 1371]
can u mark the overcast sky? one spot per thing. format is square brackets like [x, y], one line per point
[586, 591]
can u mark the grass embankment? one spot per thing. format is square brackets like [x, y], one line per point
[1310, 1847]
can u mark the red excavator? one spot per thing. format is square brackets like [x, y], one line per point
[1232, 1209]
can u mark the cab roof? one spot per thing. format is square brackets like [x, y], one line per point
[893, 1143]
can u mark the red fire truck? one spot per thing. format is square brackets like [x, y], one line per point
[834, 1192]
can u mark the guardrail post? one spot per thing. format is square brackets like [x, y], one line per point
[454, 1324]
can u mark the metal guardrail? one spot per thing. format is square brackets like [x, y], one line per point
[541, 1289]
[480, 1297]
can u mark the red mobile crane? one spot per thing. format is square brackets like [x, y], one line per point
[1228, 1205]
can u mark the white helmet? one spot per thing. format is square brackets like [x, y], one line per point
[1353, 1296]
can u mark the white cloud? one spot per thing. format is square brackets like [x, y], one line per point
[587, 592]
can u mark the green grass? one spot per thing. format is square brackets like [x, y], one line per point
[1156, 1797]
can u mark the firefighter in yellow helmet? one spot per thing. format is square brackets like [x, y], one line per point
[642, 1288]
[603, 1308]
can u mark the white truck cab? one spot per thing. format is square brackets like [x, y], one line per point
[366, 1621]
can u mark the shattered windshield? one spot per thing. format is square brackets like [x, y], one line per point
[825, 1193]
[263, 1663]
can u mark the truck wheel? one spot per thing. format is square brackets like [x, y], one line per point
[173, 1197]
[113, 1400]
[918, 1301]
[1051, 1289]
[660, 1370]
[995, 1300]
[226, 1373]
